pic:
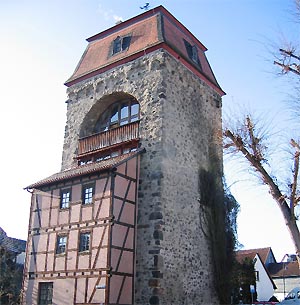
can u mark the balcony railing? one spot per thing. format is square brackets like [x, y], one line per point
[102, 140]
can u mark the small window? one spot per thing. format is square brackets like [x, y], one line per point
[192, 52]
[88, 194]
[61, 244]
[84, 243]
[121, 44]
[65, 198]
[45, 293]
[256, 275]
[114, 154]
[84, 162]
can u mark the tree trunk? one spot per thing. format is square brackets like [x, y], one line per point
[289, 217]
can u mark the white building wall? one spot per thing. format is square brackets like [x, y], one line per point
[285, 285]
[264, 286]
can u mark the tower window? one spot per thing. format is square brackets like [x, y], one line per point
[118, 114]
[87, 194]
[84, 242]
[192, 52]
[121, 44]
[45, 293]
[65, 198]
[61, 244]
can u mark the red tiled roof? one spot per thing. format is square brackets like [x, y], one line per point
[84, 170]
[97, 52]
[263, 253]
[284, 269]
[150, 31]
[240, 256]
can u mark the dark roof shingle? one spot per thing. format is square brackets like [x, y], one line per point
[11, 244]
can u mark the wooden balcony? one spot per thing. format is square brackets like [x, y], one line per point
[113, 137]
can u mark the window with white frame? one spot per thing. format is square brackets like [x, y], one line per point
[88, 193]
[61, 244]
[65, 198]
[84, 242]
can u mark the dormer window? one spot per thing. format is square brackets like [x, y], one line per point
[118, 114]
[192, 52]
[121, 44]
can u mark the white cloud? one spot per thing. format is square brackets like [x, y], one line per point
[117, 18]
[108, 15]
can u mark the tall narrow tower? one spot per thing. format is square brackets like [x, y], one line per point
[121, 223]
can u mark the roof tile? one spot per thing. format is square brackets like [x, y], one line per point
[84, 170]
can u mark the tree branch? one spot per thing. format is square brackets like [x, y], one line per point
[269, 181]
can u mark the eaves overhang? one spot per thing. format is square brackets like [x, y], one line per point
[84, 170]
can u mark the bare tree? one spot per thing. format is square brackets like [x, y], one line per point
[288, 57]
[288, 61]
[246, 140]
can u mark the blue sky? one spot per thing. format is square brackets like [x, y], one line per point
[42, 42]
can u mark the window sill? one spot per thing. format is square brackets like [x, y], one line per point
[87, 252]
[64, 209]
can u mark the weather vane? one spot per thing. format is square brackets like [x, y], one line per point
[145, 7]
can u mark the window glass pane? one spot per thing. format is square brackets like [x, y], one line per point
[134, 118]
[84, 242]
[45, 293]
[124, 111]
[103, 122]
[61, 244]
[125, 42]
[124, 122]
[114, 115]
[195, 54]
[119, 113]
[117, 45]
[188, 49]
[114, 154]
[134, 109]
[65, 199]
[88, 193]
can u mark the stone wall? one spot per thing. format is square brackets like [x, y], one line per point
[180, 127]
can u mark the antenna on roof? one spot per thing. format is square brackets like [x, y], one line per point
[145, 7]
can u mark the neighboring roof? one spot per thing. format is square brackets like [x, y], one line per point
[152, 30]
[284, 269]
[241, 255]
[11, 244]
[81, 170]
[263, 253]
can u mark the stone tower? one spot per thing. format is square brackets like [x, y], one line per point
[144, 91]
